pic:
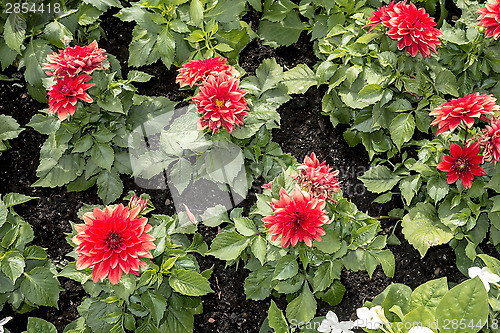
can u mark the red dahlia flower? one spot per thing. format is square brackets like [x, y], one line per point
[73, 60]
[450, 114]
[382, 15]
[298, 217]
[199, 70]
[318, 179]
[66, 92]
[490, 141]
[490, 18]
[463, 164]
[414, 28]
[112, 241]
[221, 102]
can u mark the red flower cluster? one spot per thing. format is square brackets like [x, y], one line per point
[317, 178]
[490, 18]
[450, 114]
[112, 241]
[490, 141]
[66, 66]
[73, 60]
[221, 102]
[463, 164]
[201, 69]
[66, 92]
[413, 27]
[295, 218]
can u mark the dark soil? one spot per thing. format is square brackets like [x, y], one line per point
[303, 131]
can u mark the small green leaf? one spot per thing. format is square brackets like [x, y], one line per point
[103, 155]
[37, 325]
[12, 264]
[39, 286]
[245, 226]
[189, 283]
[9, 128]
[286, 268]
[446, 82]
[379, 179]
[228, 245]
[402, 128]
[303, 307]
[299, 79]
[429, 294]
[110, 186]
[155, 303]
[277, 320]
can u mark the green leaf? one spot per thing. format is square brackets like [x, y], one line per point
[12, 264]
[402, 128]
[12, 199]
[138, 76]
[330, 242]
[400, 105]
[333, 295]
[189, 283]
[224, 162]
[283, 33]
[34, 58]
[228, 245]
[103, 5]
[180, 174]
[14, 31]
[446, 82]
[245, 226]
[196, 10]
[9, 128]
[371, 93]
[87, 14]
[469, 302]
[110, 186]
[437, 188]
[40, 287]
[35, 252]
[103, 155]
[322, 277]
[420, 315]
[299, 79]
[277, 320]
[37, 325]
[44, 124]
[83, 144]
[303, 307]
[155, 303]
[65, 170]
[286, 268]
[423, 229]
[55, 31]
[259, 247]
[227, 11]
[178, 321]
[379, 179]
[387, 261]
[165, 45]
[96, 312]
[71, 272]
[258, 283]
[429, 294]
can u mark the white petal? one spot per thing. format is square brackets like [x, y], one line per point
[363, 313]
[474, 271]
[332, 317]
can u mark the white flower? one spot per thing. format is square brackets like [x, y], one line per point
[331, 324]
[370, 318]
[485, 275]
[420, 329]
[3, 322]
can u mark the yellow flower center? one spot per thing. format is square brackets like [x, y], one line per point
[219, 103]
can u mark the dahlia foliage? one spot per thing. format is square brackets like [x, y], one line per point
[317, 178]
[463, 164]
[112, 241]
[220, 101]
[67, 67]
[297, 217]
[412, 27]
[490, 18]
[474, 106]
